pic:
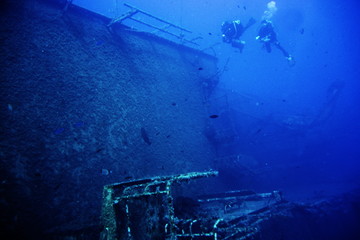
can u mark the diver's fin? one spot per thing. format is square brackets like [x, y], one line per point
[251, 22]
[291, 61]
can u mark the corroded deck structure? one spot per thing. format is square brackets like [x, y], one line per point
[145, 209]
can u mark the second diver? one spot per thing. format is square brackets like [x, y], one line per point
[268, 37]
[232, 31]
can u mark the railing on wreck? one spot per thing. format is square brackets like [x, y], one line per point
[170, 31]
[168, 28]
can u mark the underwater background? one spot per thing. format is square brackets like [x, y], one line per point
[83, 105]
[304, 133]
[305, 118]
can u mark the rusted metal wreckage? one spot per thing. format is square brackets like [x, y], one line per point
[146, 209]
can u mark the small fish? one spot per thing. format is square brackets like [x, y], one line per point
[59, 131]
[79, 124]
[244, 8]
[57, 186]
[145, 136]
[210, 33]
[302, 31]
[200, 68]
[99, 150]
[10, 107]
[214, 116]
[105, 172]
[100, 42]
[37, 174]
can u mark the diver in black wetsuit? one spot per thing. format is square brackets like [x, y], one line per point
[232, 31]
[268, 37]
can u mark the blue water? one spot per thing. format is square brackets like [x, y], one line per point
[305, 132]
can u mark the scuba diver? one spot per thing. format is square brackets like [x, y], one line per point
[232, 31]
[268, 37]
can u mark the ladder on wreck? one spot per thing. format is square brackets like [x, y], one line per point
[168, 28]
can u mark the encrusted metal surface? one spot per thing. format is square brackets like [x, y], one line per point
[144, 209]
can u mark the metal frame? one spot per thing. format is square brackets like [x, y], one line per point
[122, 195]
[165, 29]
[144, 209]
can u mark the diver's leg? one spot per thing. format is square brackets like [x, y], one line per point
[268, 47]
[285, 53]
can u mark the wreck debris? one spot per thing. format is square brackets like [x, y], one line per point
[133, 203]
[144, 209]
